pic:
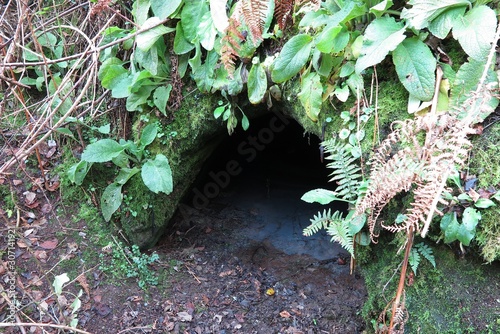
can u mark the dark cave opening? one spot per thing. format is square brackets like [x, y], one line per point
[265, 171]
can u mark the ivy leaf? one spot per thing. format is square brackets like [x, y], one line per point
[415, 66]
[292, 58]
[381, 37]
[111, 200]
[310, 95]
[441, 26]
[257, 83]
[157, 175]
[476, 31]
[160, 98]
[423, 12]
[164, 9]
[102, 150]
[146, 40]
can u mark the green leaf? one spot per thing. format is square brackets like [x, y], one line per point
[415, 66]
[484, 203]
[442, 25]
[125, 174]
[135, 100]
[476, 31]
[219, 111]
[381, 37]
[257, 83]
[310, 95]
[423, 12]
[48, 40]
[104, 129]
[77, 172]
[102, 150]
[111, 200]
[471, 218]
[164, 9]
[59, 282]
[326, 39]
[379, 9]
[449, 225]
[65, 131]
[181, 44]
[245, 124]
[292, 58]
[160, 98]
[157, 175]
[219, 15]
[146, 40]
[206, 31]
[321, 196]
[356, 223]
[191, 15]
[148, 134]
[140, 10]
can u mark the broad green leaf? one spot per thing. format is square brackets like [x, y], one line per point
[342, 93]
[65, 131]
[102, 150]
[442, 25]
[59, 282]
[257, 83]
[160, 98]
[135, 100]
[381, 37]
[323, 63]
[326, 39]
[104, 129]
[207, 32]
[423, 12]
[415, 66]
[157, 175]
[164, 9]
[125, 174]
[310, 95]
[292, 58]
[346, 69]
[111, 200]
[315, 19]
[219, 111]
[150, 59]
[245, 124]
[122, 160]
[356, 223]
[321, 196]
[379, 9]
[219, 15]
[181, 44]
[476, 31]
[140, 10]
[471, 218]
[484, 203]
[48, 40]
[77, 172]
[191, 15]
[146, 40]
[449, 225]
[148, 134]
[235, 86]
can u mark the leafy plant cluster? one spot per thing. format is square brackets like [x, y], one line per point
[131, 158]
[129, 262]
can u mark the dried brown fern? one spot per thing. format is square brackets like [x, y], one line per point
[231, 42]
[283, 12]
[254, 15]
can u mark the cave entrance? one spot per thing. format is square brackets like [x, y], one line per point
[257, 177]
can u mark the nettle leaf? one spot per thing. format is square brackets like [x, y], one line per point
[102, 150]
[146, 40]
[415, 66]
[423, 12]
[381, 37]
[292, 58]
[441, 26]
[160, 98]
[164, 9]
[476, 31]
[311, 95]
[157, 175]
[111, 200]
[257, 83]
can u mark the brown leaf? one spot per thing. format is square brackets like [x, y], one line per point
[49, 244]
[46, 208]
[240, 317]
[41, 255]
[29, 197]
[226, 273]
[17, 182]
[285, 314]
[83, 282]
[53, 186]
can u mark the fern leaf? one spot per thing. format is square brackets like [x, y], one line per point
[426, 252]
[414, 260]
[283, 12]
[254, 14]
[339, 230]
[320, 221]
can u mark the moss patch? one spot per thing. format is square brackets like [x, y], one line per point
[458, 296]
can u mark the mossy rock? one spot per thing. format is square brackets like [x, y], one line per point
[457, 296]
[485, 165]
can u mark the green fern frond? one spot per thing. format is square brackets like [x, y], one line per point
[336, 226]
[345, 172]
[414, 260]
[426, 252]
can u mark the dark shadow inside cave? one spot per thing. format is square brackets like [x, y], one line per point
[261, 174]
